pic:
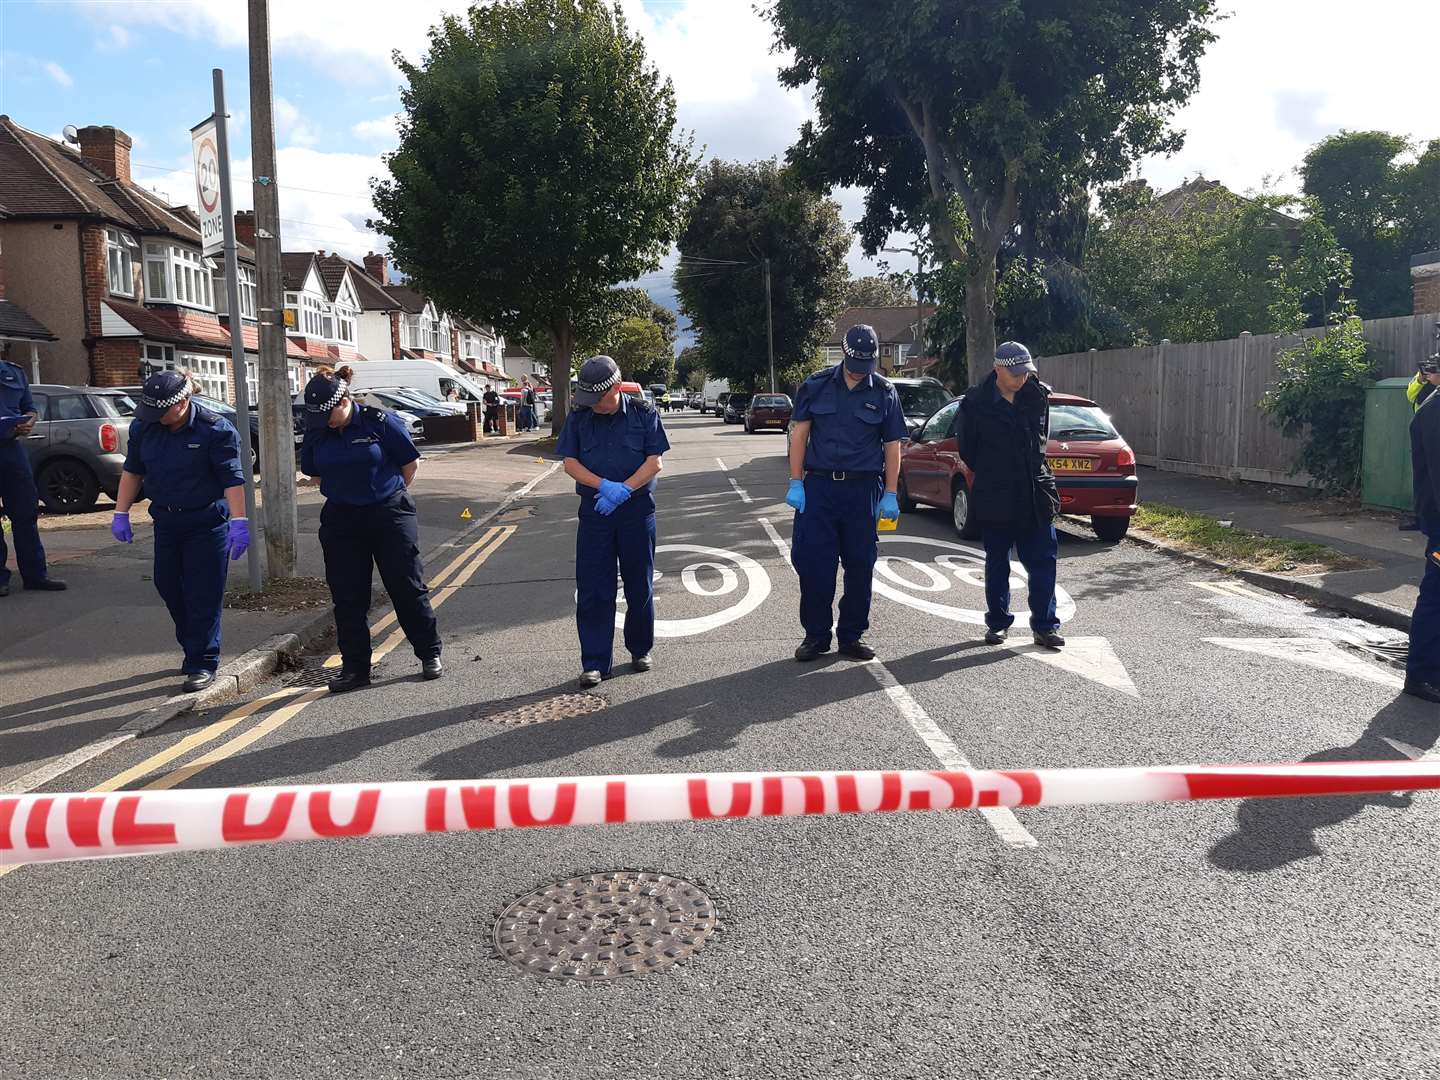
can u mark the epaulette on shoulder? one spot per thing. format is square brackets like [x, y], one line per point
[204, 415]
[371, 413]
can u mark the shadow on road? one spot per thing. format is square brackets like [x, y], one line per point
[1272, 833]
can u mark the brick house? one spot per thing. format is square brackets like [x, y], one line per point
[894, 326]
[113, 270]
[1425, 282]
[519, 363]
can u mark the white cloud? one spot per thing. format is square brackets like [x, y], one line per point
[291, 127]
[114, 38]
[384, 130]
[59, 74]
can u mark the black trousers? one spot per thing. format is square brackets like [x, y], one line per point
[356, 539]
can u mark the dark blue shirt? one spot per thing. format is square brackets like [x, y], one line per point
[15, 397]
[613, 447]
[192, 466]
[848, 428]
[359, 465]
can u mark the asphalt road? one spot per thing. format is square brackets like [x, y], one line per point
[1289, 938]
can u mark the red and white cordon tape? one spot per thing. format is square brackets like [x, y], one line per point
[51, 828]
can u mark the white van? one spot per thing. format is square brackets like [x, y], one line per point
[431, 376]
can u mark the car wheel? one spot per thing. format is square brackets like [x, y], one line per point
[902, 494]
[960, 513]
[1110, 528]
[255, 456]
[68, 486]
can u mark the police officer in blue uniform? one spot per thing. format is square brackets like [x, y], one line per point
[366, 461]
[1422, 667]
[17, 484]
[613, 446]
[188, 459]
[844, 466]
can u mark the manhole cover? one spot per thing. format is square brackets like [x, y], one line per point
[605, 926]
[540, 708]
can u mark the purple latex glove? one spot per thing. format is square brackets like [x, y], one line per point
[120, 528]
[238, 538]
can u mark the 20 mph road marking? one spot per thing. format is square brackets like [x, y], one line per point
[1000, 818]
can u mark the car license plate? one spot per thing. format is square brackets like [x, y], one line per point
[1072, 464]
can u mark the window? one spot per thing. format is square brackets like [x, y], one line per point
[252, 380]
[69, 407]
[209, 371]
[345, 324]
[159, 357]
[1080, 423]
[921, 399]
[120, 262]
[834, 354]
[178, 275]
[248, 304]
[939, 425]
[313, 316]
[292, 313]
[327, 322]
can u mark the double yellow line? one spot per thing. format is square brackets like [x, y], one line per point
[445, 585]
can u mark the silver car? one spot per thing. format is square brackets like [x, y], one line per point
[77, 449]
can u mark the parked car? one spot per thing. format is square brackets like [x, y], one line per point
[649, 396]
[419, 399]
[225, 409]
[401, 405]
[694, 399]
[735, 407]
[1094, 467]
[661, 394]
[919, 398]
[768, 412]
[721, 400]
[431, 376]
[77, 449]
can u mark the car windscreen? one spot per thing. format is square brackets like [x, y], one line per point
[739, 401]
[772, 401]
[1080, 423]
[920, 400]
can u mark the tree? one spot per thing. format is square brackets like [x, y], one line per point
[739, 215]
[986, 105]
[538, 167]
[1382, 209]
[690, 368]
[638, 345]
[875, 291]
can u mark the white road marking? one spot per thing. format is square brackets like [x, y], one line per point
[1288, 614]
[1313, 652]
[721, 463]
[744, 496]
[531, 486]
[757, 589]
[1089, 657]
[965, 564]
[1000, 818]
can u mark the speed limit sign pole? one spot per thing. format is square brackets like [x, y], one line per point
[210, 143]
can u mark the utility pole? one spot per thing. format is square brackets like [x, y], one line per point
[277, 441]
[769, 325]
[237, 331]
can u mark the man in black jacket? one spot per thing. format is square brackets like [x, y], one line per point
[1003, 428]
[1422, 669]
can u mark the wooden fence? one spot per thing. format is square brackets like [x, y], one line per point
[1196, 408]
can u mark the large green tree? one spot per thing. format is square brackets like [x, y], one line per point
[538, 167]
[1382, 207]
[638, 345]
[739, 215]
[985, 104]
[877, 291]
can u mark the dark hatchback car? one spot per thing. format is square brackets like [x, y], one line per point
[735, 408]
[768, 412]
[77, 449]
[919, 398]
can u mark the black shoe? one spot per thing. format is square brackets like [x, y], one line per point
[349, 680]
[48, 584]
[996, 637]
[1412, 525]
[1049, 639]
[197, 681]
[1423, 690]
[810, 648]
[859, 649]
[642, 663]
[432, 668]
[5, 589]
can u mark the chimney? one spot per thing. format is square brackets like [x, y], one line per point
[378, 267]
[106, 149]
[245, 227]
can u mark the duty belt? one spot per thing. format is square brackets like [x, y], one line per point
[841, 474]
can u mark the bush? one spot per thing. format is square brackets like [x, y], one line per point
[1320, 397]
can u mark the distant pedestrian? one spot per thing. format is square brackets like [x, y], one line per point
[366, 462]
[1003, 426]
[844, 466]
[1422, 668]
[527, 404]
[188, 459]
[492, 409]
[613, 446]
[453, 394]
[20, 500]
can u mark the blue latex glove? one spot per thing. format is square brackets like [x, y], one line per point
[120, 528]
[890, 507]
[605, 506]
[795, 497]
[614, 492]
[238, 538]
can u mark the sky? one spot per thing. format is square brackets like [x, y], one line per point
[1283, 74]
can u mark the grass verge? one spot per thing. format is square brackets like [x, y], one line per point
[1241, 548]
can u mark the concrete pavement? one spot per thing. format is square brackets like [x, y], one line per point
[1256, 939]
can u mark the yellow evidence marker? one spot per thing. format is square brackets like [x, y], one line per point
[465, 514]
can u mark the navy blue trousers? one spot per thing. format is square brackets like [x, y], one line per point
[1423, 664]
[190, 572]
[836, 529]
[624, 542]
[17, 492]
[355, 541]
[1038, 550]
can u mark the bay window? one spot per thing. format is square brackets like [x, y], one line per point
[178, 275]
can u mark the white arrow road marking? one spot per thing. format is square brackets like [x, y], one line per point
[1089, 657]
[1315, 653]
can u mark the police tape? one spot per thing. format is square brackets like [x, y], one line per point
[52, 828]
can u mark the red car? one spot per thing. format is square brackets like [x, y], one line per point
[1094, 467]
[768, 411]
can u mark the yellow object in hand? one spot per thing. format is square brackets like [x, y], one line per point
[887, 524]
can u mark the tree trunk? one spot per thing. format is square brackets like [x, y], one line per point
[980, 316]
[563, 336]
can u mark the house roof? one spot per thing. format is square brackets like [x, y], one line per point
[893, 325]
[17, 323]
[1176, 200]
[176, 326]
[368, 291]
[408, 299]
[516, 351]
[42, 178]
[295, 268]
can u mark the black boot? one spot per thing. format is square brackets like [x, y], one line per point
[350, 679]
[811, 648]
[859, 649]
[432, 668]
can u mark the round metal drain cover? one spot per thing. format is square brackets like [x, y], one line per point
[606, 925]
[540, 708]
